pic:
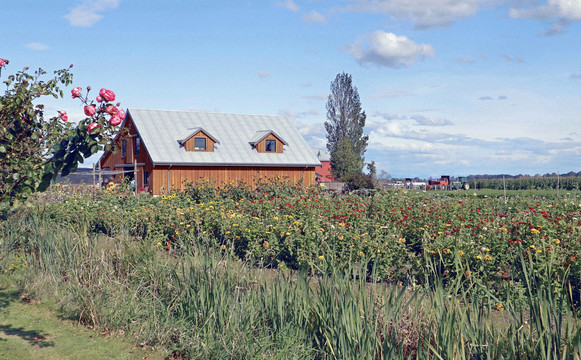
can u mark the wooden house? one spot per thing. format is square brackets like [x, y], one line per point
[166, 148]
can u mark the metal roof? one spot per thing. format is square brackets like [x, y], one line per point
[159, 130]
[323, 155]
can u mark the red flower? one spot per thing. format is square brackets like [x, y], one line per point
[76, 92]
[115, 120]
[111, 110]
[107, 95]
[90, 110]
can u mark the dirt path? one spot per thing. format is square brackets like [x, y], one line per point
[34, 330]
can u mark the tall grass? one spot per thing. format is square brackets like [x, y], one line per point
[205, 304]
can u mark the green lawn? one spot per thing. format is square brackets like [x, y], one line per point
[35, 330]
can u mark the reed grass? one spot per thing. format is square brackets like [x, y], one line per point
[205, 304]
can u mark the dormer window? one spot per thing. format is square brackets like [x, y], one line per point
[198, 139]
[200, 144]
[270, 146]
[267, 141]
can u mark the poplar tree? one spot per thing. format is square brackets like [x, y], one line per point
[345, 121]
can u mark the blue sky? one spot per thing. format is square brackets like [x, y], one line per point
[449, 86]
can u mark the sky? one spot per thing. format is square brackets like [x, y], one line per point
[453, 87]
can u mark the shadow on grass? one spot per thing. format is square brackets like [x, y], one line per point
[6, 297]
[34, 337]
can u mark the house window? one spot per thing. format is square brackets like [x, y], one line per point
[124, 148]
[137, 146]
[146, 178]
[200, 144]
[270, 146]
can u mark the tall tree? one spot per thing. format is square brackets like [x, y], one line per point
[345, 121]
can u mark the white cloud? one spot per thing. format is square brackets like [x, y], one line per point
[425, 121]
[297, 115]
[314, 17]
[37, 46]
[388, 49]
[423, 13]
[289, 4]
[563, 12]
[88, 13]
[568, 10]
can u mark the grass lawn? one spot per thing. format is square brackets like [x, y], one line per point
[35, 330]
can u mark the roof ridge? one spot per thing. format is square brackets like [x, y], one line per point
[210, 112]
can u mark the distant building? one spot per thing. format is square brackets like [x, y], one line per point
[323, 172]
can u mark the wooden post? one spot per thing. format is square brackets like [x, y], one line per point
[100, 175]
[135, 175]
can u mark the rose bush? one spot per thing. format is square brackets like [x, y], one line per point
[34, 148]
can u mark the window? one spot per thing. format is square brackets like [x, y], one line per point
[200, 144]
[146, 177]
[270, 146]
[124, 148]
[137, 146]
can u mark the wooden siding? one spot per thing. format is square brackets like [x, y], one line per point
[189, 145]
[176, 175]
[261, 146]
[114, 158]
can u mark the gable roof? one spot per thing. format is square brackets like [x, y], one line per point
[191, 132]
[159, 130]
[261, 134]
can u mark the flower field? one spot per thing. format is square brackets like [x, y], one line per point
[396, 233]
[284, 272]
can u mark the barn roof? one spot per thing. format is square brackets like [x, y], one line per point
[159, 130]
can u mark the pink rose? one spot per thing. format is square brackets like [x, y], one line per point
[2, 62]
[121, 114]
[107, 95]
[115, 120]
[90, 110]
[99, 99]
[111, 110]
[93, 128]
[63, 115]
[76, 92]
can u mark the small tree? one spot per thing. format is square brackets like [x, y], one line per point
[372, 172]
[345, 121]
[33, 148]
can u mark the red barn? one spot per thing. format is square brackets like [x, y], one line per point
[323, 172]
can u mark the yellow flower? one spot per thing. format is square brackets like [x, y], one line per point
[535, 231]
[361, 253]
[478, 257]
[446, 251]
[532, 247]
[275, 218]
[557, 241]
[401, 240]
[321, 257]
[223, 247]
[265, 245]
[487, 257]
[499, 307]
[340, 237]
[539, 251]
[460, 252]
